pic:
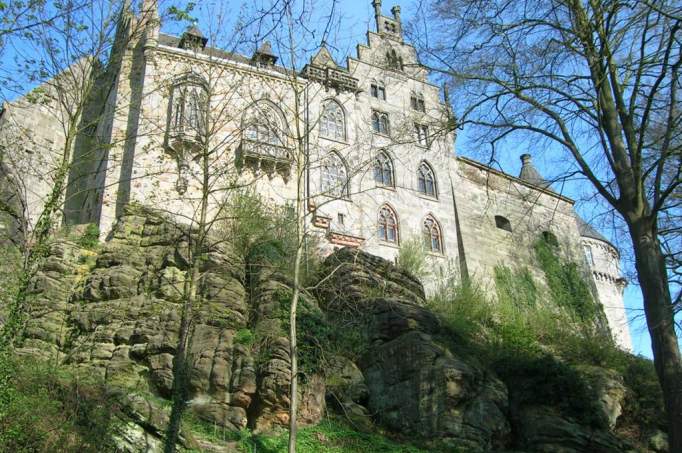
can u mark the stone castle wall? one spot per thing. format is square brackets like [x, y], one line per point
[138, 164]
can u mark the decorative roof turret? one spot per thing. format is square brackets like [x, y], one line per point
[323, 69]
[264, 56]
[193, 39]
[390, 27]
[530, 174]
[588, 231]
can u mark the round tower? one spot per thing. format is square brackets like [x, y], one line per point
[603, 261]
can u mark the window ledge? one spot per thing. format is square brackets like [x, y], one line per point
[381, 186]
[342, 142]
[336, 197]
[427, 197]
[440, 255]
[394, 245]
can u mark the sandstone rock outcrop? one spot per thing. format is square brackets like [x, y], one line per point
[115, 313]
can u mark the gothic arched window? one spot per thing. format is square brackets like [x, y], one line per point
[433, 239]
[387, 226]
[380, 122]
[189, 110]
[334, 176]
[383, 170]
[333, 121]
[426, 180]
[394, 61]
[264, 125]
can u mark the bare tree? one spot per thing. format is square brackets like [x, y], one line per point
[594, 78]
[63, 55]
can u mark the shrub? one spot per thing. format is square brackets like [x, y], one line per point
[90, 237]
[329, 436]
[43, 408]
[412, 257]
[244, 337]
[515, 287]
[463, 307]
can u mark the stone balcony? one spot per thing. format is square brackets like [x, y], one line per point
[182, 142]
[267, 157]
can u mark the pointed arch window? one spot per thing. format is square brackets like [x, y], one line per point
[393, 60]
[189, 110]
[433, 239]
[380, 122]
[264, 125]
[589, 255]
[334, 176]
[426, 180]
[333, 121]
[387, 228]
[383, 170]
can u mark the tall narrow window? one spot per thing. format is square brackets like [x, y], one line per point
[433, 240]
[378, 90]
[334, 176]
[264, 126]
[426, 181]
[380, 123]
[188, 110]
[589, 255]
[383, 170]
[332, 121]
[421, 132]
[417, 102]
[387, 229]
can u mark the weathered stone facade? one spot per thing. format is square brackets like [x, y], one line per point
[386, 104]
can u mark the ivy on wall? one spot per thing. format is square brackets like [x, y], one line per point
[567, 287]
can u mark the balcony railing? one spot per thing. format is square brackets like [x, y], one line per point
[252, 149]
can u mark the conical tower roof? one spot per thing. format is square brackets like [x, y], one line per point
[588, 231]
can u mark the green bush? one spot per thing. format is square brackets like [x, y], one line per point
[90, 237]
[260, 231]
[329, 436]
[515, 287]
[412, 257]
[43, 408]
[244, 337]
[463, 308]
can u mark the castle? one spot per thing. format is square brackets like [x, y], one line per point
[372, 141]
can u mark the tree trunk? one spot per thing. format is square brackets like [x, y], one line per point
[651, 272]
[181, 368]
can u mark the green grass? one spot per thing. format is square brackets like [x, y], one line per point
[330, 436]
